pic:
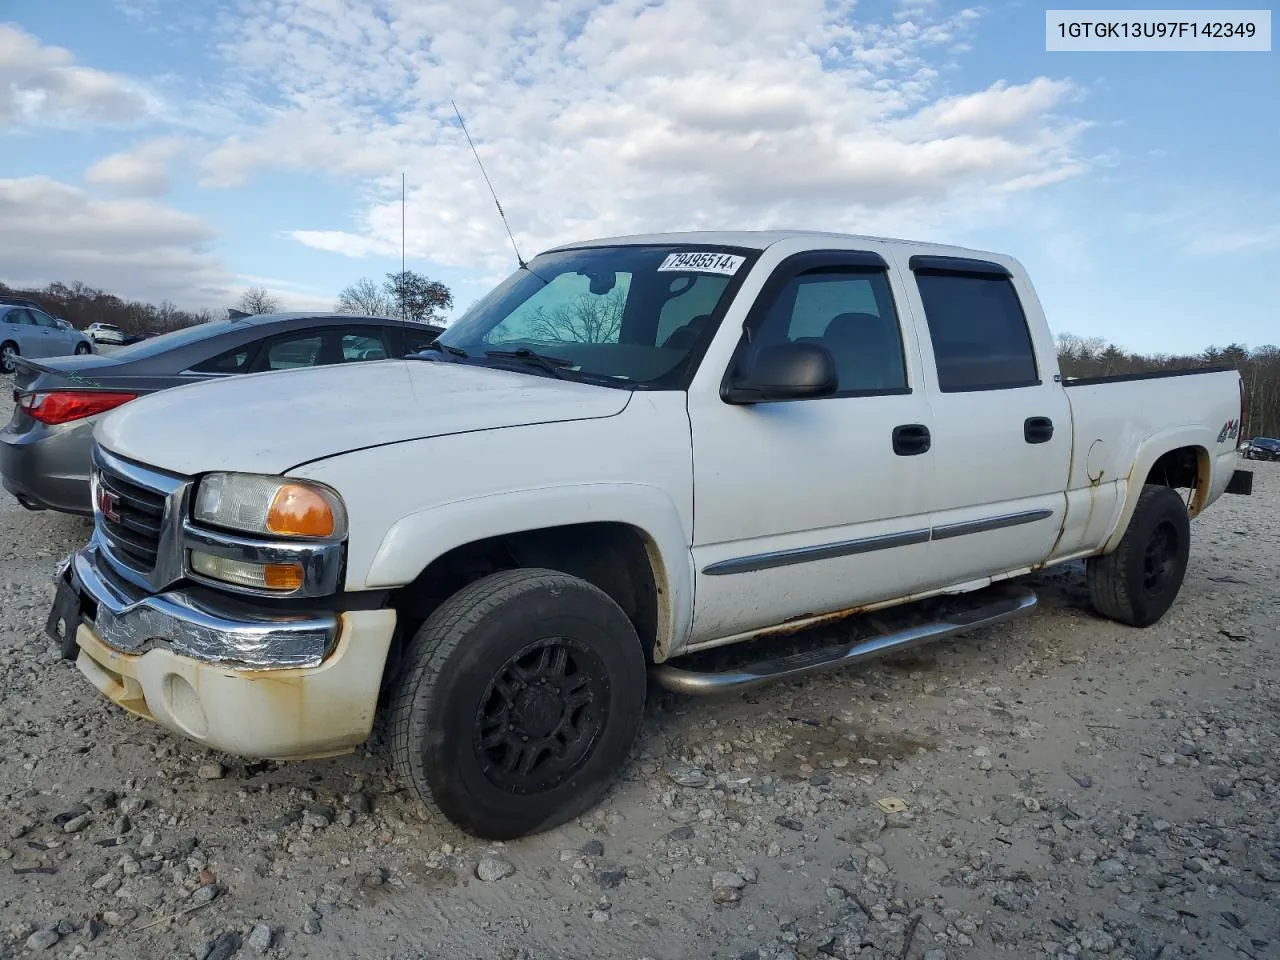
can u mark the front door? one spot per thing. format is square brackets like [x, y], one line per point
[803, 507]
[1001, 420]
[33, 340]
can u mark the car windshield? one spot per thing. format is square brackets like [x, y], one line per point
[175, 338]
[627, 316]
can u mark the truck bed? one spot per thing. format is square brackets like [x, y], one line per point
[1182, 426]
[1145, 375]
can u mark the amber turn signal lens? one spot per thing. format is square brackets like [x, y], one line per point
[299, 511]
[282, 576]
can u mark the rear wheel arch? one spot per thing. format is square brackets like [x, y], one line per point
[1186, 467]
[1171, 462]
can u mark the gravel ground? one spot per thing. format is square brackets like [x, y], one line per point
[1061, 786]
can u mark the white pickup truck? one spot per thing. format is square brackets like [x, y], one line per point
[632, 450]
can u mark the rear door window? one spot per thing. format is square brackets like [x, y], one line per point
[979, 332]
[235, 360]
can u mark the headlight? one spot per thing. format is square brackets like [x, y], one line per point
[275, 506]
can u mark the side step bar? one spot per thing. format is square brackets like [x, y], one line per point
[1011, 601]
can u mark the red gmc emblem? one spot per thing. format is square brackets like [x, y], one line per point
[108, 504]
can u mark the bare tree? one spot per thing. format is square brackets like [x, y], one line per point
[415, 297]
[586, 319]
[367, 298]
[256, 300]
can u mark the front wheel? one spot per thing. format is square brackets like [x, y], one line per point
[83, 348]
[8, 353]
[1138, 582]
[522, 697]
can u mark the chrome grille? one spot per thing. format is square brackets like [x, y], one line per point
[133, 518]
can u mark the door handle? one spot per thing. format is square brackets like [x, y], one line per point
[911, 439]
[1037, 430]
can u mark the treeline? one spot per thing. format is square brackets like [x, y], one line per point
[1260, 369]
[81, 305]
[421, 299]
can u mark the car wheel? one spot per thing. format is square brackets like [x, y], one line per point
[83, 348]
[520, 702]
[1138, 581]
[8, 351]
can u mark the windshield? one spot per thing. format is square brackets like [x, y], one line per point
[627, 316]
[167, 341]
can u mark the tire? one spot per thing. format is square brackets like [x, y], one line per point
[8, 350]
[547, 653]
[1138, 582]
[83, 348]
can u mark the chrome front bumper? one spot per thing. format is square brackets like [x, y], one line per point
[191, 623]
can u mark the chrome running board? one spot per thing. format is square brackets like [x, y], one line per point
[998, 604]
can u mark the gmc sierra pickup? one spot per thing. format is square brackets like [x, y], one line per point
[632, 450]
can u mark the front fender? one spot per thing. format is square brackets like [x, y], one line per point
[414, 541]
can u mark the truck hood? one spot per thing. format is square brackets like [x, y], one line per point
[271, 422]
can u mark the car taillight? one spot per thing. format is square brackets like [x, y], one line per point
[1243, 410]
[64, 406]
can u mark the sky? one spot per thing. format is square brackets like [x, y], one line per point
[188, 149]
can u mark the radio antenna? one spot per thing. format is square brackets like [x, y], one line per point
[492, 192]
[402, 283]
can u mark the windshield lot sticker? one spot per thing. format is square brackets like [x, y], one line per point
[692, 261]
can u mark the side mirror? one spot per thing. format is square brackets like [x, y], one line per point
[782, 371]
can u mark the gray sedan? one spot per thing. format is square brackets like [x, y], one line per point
[27, 331]
[44, 450]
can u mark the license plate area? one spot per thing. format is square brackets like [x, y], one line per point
[64, 617]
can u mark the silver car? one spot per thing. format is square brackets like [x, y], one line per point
[30, 332]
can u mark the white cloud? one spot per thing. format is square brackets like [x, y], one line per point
[999, 107]
[41, 85]
[133, 248]
[631, 115]
[141, 172]
[1228, 241]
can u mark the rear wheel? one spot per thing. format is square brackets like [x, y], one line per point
[8, 351]
[1138, 582]
[521, 700]
[82, 348]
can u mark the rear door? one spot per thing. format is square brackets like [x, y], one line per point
[1001, 431]
[57, 337]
